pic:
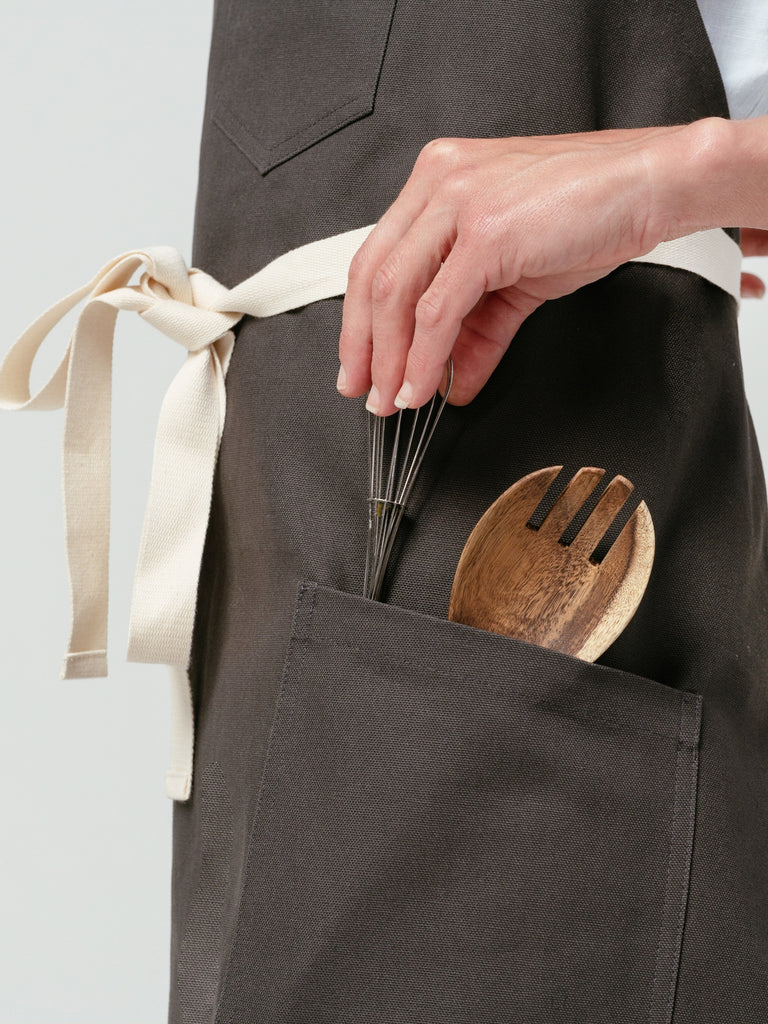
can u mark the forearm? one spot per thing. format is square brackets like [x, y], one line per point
[712, 173]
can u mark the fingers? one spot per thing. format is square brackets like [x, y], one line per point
[356, 338]
[754, 242]
[407, 295]
[752, 287]
[456, 288]
[485, 336]
[398, 286]
[423, 311]
[389, 274]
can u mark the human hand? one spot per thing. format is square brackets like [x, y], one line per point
[483, 232]
[754, 242]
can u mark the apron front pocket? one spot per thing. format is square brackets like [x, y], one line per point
[456, 827]
[294, 72]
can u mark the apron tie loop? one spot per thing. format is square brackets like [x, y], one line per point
[196, 311]
[177, 302]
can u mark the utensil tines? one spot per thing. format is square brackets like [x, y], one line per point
[525, 581]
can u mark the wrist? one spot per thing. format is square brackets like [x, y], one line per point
[711, 173]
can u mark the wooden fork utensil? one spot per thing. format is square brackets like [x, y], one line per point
[522, 581]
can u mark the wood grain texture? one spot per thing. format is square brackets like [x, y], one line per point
[523, 582]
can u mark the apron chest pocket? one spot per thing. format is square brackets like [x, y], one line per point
[294, 72]
[455, 827]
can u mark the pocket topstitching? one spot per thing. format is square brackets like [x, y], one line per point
[455, 827]
[296, 72]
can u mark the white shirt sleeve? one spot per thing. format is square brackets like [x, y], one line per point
[738, 32]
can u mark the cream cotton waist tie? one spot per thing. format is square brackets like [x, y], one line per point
[199, 313]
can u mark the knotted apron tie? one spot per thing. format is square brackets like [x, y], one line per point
[199, 313]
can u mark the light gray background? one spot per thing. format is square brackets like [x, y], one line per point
[102, 110]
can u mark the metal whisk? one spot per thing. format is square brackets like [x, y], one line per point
[390, 487]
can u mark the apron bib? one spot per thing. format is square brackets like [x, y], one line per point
[400, 818]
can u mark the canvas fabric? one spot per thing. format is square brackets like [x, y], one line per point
[397, 818]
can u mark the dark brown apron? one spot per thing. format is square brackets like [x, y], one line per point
[397, 818]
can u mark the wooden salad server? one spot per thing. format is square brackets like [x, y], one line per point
[521, 581]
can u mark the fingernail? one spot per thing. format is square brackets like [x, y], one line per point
[341, 381]
[373, 400]
[404, 395]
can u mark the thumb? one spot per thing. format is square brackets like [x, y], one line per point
[485, 335]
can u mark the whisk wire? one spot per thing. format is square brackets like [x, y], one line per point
[386, 507]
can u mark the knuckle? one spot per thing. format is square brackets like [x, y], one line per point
[384, 284]
[440, 152]
[428, 311]
[358, 265]
[458, 185]
[419, 365]
[383, 366]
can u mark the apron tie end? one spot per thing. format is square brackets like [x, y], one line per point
[178, 786]
[84, 665]
[178, 778]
